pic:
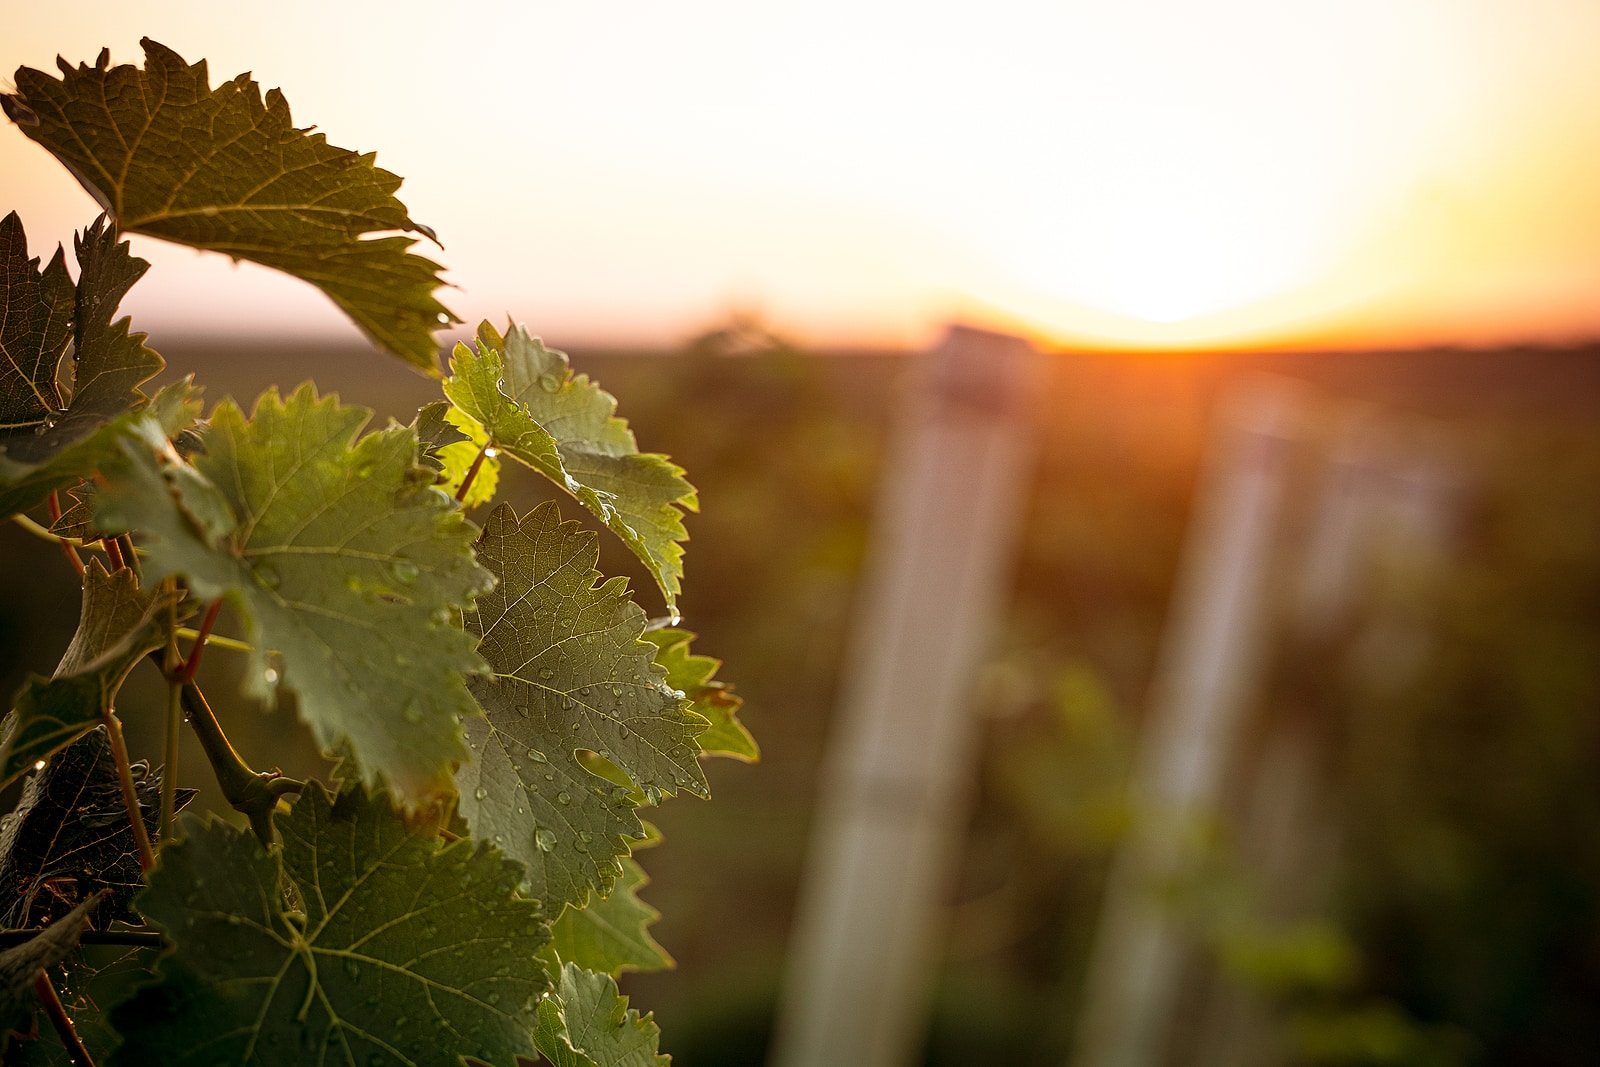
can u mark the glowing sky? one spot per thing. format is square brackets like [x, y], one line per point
[1372, 172]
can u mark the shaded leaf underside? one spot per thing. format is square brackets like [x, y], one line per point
[119, 623]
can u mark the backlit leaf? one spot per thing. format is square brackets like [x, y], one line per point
[714, 701]
[532, 407]
[36, 309]
[610, 934]
[119, 623]
[587, 1023]
[396, 951]
[570, 675]
[168, 156]
[69, 836]
[340, 559]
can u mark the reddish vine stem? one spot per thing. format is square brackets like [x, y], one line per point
[130, 799]
[472, 472]
[130, 558]
[113, 552]
[192, 664]
[66, 546]
[58, 1018]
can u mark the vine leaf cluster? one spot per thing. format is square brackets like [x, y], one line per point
[501, 709]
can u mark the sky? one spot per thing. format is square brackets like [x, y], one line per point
[1145, 173]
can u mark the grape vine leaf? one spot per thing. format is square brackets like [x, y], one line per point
[399, 952]
[610, 934]
[585, 1022]
[533, 408]
[219, 169]
[110, 362]
[570, 675]
[21, 965]
[714, 701]
[36, 309]
[339, 557]
[22, 485]
[69, 836]
[119, 623]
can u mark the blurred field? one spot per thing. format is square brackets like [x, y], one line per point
[1456, 915]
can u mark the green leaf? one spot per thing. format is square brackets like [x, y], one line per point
[25, 484]
[69, 836]
[36, 309]
[119, 623]
[610, 933]
[396, 950]
[714, 701]
[570, 675]
[339, 557]
[168, 156]
[532, 407]
[587, 1023]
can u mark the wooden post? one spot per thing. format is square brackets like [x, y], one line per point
[1208, 671]
[895, 786]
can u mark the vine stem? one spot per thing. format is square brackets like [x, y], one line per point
[113, 552]
[174, 723]
[58, 1018]
[130, 799]
[252, 793]
[472, 472]
[66, 546]
[192, 664]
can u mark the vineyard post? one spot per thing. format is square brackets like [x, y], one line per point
[1208, 668]
[893, 793]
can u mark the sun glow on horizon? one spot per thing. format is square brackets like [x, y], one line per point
[1146, 174]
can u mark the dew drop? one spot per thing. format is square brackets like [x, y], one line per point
[547, 672]
[522, 709]
[480, 793]
[353, 970]
[493, 998]
[404, 571]
[549, 776]
[623, 732]
[546, 840]
[585, 836]
[536, 756]
[412, 712]
[563, 798]
[549, 383]
[271, 676]
[38, 765]
[616, 690]
[490, 452]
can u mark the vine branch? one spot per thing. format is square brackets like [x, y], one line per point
[252, 793]
[130, 798]
[57, 1013]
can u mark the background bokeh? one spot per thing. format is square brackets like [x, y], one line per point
[1453, 908]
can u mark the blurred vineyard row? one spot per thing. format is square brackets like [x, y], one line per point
[1455, 726]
